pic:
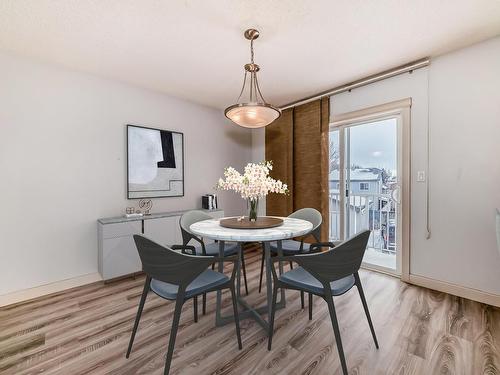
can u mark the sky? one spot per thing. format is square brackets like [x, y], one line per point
[372, 144]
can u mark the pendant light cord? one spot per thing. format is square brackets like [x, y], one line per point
[252, 74]
[251, 51]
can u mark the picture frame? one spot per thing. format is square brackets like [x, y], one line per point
[155, 162]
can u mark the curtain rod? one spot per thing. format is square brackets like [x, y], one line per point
[409, 67]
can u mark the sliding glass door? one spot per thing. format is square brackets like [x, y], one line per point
[366, 181]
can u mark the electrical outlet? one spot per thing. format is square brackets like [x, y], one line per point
[421, 176]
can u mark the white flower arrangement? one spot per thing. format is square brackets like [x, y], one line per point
[254, 183]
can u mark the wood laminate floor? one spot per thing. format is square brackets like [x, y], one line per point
[86, 331]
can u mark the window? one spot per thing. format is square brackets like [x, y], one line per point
[363, 186]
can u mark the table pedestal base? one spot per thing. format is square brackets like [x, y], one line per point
[250, 312]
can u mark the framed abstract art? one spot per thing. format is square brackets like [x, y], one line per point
[155, 163]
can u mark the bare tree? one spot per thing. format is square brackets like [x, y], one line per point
[334, 158]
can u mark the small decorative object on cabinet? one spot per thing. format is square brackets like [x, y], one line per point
[253, 184]
[209, 202]
[145, 205]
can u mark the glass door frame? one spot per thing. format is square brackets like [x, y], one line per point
[401, 111]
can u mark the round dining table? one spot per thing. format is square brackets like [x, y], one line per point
[290, 228]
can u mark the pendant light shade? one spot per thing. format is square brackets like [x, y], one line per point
[252, 115]
[251, 110]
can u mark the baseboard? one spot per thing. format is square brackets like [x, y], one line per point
[456, 290]
[42, 290]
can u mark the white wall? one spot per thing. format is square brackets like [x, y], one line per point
[464, 104]
[465, 171]
[62, 164]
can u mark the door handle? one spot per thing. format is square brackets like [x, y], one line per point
[395, 194]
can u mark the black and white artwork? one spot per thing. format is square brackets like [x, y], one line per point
[155, 163]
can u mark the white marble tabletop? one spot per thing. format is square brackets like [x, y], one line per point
[289, 229]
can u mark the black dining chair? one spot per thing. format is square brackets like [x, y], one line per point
[294, 247]
[326, 274]
[178, 277]
[211, 249]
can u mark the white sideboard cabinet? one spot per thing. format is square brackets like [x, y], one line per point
[117, 252]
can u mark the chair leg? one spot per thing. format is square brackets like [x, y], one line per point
[336, 331]
[302, 299]
[365, 306]
[195, 309]
[271, 319]
[310, 306]
[204, 307]
[261, 269]
[236, 316]
[291, 265]
[139, 313]
[173, 332]
[244, 271]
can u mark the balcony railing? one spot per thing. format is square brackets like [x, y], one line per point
[376, 212]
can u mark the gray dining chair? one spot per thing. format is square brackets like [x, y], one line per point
[326, 274]
[178, 277]
[294, 247]
[209, 249]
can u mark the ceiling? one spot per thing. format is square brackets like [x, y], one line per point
[194, 49]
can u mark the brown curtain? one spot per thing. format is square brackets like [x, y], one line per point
[297, 143]
[279, 149]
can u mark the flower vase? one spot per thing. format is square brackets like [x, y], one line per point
[254, 205]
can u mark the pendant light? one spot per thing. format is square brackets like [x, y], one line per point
[252, 111]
